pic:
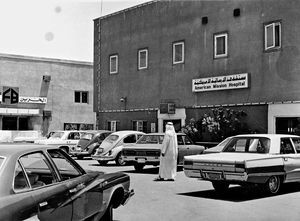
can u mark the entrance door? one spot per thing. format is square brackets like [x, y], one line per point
[9, 123]
[286, 125]
[176, 123]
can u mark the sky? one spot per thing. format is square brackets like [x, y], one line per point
[60, 29]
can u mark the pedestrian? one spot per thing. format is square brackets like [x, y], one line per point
[168, 158]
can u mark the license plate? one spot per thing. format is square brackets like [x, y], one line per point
[141, 160]
[214, 176]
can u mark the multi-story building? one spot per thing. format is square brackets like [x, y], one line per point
[43, 94]
[192, 56]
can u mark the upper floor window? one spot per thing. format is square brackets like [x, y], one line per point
[221, 45]
[139, 125]
[113, 125]
[113, 64]
[272, 35]
[142, 59]
[81, 97]
[178, 52]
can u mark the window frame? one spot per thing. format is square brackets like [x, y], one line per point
[272, 24]
[174, 44]
[221, 35]
[146, 59]
[81, 96]
[141, 125]
[116, 56]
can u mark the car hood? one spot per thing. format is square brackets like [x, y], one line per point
[226, 157]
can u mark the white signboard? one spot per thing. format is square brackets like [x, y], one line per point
[236, 81]
[33, 100]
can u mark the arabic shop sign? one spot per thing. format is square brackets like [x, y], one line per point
[10, 95]
[236, 81]
[33, 100]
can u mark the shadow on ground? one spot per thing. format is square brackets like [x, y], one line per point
[240, 194]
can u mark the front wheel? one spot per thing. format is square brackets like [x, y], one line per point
[272, 186]
[119, 160]
[220, 186]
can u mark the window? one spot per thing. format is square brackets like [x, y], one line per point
[286, 146]
[113, 125]
[142, 59]
[38, 170]
[249, 144]
[20, 181]
[296, 142]
[113, 64]
[178, 52]
[130, 139]
[220, 45]
[139, 125]
[272, 35]
[81, 97]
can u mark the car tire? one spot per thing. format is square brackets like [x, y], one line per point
[119, 160]
[102, 163]
[220, 186]
[108, 215]
[272, 186]
[139, 166]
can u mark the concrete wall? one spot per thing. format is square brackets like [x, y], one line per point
[66, 77]
[273, 76]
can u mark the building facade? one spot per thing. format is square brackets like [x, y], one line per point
[44, 94]
[176, 60]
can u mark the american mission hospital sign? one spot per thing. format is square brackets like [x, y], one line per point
[236, 81]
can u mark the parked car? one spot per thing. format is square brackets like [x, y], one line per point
[88, 143]
[65, 140]
[264, 159]
[39, 182]
[147, 150]
[218, 148]
[110, 149]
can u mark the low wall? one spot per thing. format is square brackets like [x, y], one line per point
[8, 136]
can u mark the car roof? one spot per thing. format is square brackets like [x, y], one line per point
[266, 135]
[7, 150]
[125, 132]
[97, 131]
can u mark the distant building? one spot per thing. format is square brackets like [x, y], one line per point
[176, 60]
[45, 94]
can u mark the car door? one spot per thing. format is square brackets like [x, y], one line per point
[291, 158]
[84, 196]
[46, 189]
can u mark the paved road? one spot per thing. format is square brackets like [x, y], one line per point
[190, 199]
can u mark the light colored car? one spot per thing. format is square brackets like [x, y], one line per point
[39, 182]
[147, 150]
[110, 149]
[218, 148]
[89, 143]
[64, 140]
[264, 159]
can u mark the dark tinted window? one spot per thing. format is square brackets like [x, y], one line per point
[286, 146]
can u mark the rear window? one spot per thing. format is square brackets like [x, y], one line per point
[248, 144]
[112, 138]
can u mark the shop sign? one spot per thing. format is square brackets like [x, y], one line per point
[236, 81]
[33, 100]
[10, 95]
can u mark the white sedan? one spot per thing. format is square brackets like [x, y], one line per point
[265, 159]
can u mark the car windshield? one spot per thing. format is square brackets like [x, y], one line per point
[57, 135]
[151, 139]
[248, 145]
[87, 136]
[112, 138]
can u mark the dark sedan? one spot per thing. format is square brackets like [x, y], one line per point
[44, 183]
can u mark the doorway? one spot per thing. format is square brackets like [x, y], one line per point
[176, 123]
[9, 123]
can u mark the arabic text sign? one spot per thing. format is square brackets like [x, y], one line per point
[236, 81]
[33, 100]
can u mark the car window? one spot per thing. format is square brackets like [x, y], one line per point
[130, 139]
[296, 142]
[74, 136]
[112, 138]
[64, 165]
[180, 140]
[139, 136]
[148, 139]
[20, 181]
[187, 140]
[57, 135]
[37, 169]
[286, 146]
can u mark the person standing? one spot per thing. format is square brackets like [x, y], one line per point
[169, 152]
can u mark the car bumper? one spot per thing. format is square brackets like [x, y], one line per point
[103, 158]
[77, 153]
[127, 197]
[141, 159]
[216, 175]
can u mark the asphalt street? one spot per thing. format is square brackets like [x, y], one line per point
[189, 199]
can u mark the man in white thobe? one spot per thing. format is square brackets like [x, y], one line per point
[169, 152]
